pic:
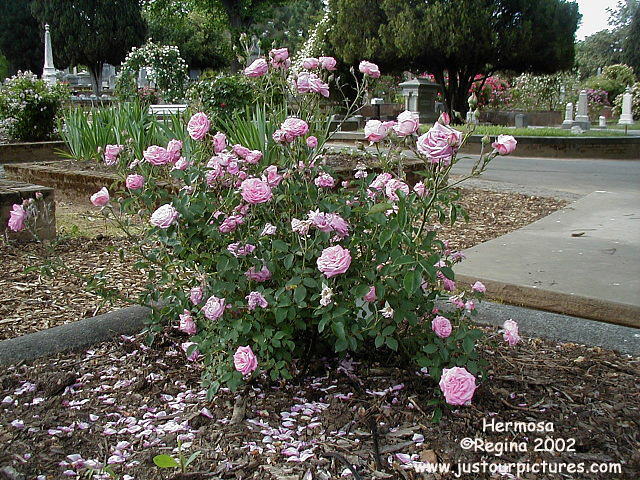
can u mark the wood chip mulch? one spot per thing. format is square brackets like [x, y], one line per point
[121, 404]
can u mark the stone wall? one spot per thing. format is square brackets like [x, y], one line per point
[15, 192]
[30, 152]
[508, 118]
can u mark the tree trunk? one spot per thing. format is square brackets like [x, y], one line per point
[96, 77]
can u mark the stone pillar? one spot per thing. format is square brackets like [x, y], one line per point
[627, 105]
[582, 115]
[49, 71]
[568, 116]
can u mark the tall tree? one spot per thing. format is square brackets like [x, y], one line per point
[92, 32]
[457, 40]
[597, 51]
[21, 37]
[632, 43]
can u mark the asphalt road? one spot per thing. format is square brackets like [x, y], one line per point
[573, 176]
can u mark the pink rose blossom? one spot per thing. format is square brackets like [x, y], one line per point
[280, 136]
[420, 189]
[231, 223]
[457, 385]
[245, 360]
[369, 68]
[324, 180]
[257, 69]
[312, 142]
[111, 153]
[195, 355]
[268, 230]
[261, 275]
[157, 156]
[295, 127]
[214, 308]
[280, 58]
[510, 332]
[328, 63]
[182, 164]
[219, 142]
[439, 144]
[392, 188]
[470, 305]
[134, 182]
[478, 287]
[240, 151]
[174, 147]
[375, 130]
[254, 191]
[370, 296]
[302, 82]
[255, 299]
[334, 261]
[441, 326]
[505, 144]
[408, 124]
[316, 85]
[187, 325]
[253, 157]
[310, 63]
[449, 285]
[444, 119]
[18, 216]
[381, 180]
[100, 198]
[195, 295]
[271, 176]
[301, 227]
[198, 126]
[164, 216]
[238, 250]
[233, 168]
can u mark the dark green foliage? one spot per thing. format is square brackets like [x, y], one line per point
[456, 39]
[21, 38]
[598, 50]
[632, 43]
[92, 32]
[222, 96]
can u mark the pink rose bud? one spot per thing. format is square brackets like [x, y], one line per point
[444, 118]
[370, 296]
[457, 385]
[312, 142]
[100, 198]
[505, 144]
[244, 360]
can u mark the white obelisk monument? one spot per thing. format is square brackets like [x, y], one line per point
[49, 71]
[627, 106]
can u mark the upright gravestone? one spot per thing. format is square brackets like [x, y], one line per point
[602, 121]
[420, 97]
[568, 117]
[49, 70]
[626, 118]
[582, 116]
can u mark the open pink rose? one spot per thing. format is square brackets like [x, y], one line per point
[214, 308]
[195, 295]
[440, 143]
[392, 187]
[240, 150]
[219, 142]
[478, 287]
[295, 127]
[370, 69]
[375, 130]
[253, 157]
[310, 63]
[187, 325]
[256, 299]
[408, 124]
[164, 216]
[441, 326]
[271, 175]
[198, 126]
[261, 275]
[324, 180]
[134, 182]
[17, 218]
[316, 85]
[245, 360]
[230, 223]
[257, 69]
[157, 156]
[510, 332]
[111, 153]
[174, 147]
[420, 189]
[505, 144]
[334, 261]
[182, 164]
[370, 296]
[312, 142]
[457, 385]
[100, 198]
[254, 191]
[328, 63]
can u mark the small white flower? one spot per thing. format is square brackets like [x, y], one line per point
[387, 311]
[326, 295]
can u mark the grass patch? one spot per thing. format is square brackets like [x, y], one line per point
[495, 130]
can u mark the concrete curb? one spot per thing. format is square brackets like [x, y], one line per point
[73, 336]
[562, 303]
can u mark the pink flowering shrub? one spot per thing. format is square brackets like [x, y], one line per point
[267, 254]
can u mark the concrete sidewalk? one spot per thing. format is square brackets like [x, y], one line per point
[583, 261]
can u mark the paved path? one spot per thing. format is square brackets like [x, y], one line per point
[583, 260]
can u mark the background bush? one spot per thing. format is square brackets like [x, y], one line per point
[221, 95]
[29, 107]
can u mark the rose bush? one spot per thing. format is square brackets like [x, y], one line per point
[261, 256]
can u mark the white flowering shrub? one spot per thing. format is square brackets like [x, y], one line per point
[168, 72]
[29, 107]
[263, 257]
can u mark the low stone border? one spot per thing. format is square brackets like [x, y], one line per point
[63, 180]
[31, 151]
[550, 301]
[603, 148]
[73, 336]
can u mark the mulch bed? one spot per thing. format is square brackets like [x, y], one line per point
[30, 301]
[122, 403]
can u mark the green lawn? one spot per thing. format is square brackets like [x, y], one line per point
[494, 130]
